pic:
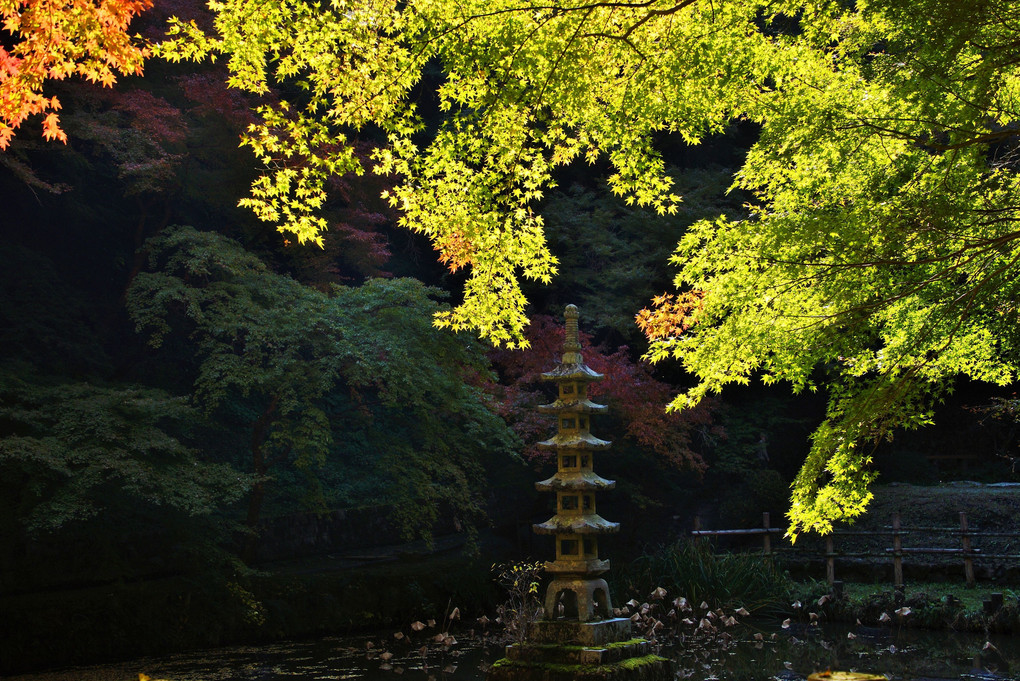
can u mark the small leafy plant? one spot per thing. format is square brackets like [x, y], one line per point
[522, 607]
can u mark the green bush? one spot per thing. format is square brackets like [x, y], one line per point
[692, 570]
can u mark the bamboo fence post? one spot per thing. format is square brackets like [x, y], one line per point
[968, 562]
[766, 542]
[830, 560]
[897, 551]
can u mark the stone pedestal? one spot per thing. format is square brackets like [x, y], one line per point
[565, 650]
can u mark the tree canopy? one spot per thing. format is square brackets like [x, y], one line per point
[881, 253]
[353, 392]
[878, 256]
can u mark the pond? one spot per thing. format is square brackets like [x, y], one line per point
[898, 653]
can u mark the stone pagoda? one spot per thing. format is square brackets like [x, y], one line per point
[577, 639]
[576, 591]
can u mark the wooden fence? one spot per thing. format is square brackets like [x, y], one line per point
[967, 552]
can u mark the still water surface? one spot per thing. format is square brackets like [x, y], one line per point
[904, 654]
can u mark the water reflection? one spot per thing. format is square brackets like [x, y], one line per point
[899, 654]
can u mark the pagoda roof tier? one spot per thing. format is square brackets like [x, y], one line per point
[592, 523]
[574, 441]
[581, 480]
[572, 372]
[579, 567]
[584, 406]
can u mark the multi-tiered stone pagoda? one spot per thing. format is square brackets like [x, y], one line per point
[577, 639]
[576, 591]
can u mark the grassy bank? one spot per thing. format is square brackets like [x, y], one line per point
[938, 605]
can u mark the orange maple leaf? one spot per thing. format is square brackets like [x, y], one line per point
[51, 128]
[455, 251]
[670, 315]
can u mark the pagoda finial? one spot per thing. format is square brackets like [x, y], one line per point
[571, 342]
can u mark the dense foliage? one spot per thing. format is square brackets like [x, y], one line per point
[54, 40]
[881, 254]
[356, 380]
[879, 249]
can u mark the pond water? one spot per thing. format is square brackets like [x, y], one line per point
[899, 654]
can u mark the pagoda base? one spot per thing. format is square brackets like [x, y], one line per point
[574, 633]
[578, 598]
[581, 651]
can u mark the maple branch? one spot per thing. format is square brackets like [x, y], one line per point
[625, 36]
[978, 138]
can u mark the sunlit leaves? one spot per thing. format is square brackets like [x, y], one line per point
[881, 254]
[523, 90]
[55, 39]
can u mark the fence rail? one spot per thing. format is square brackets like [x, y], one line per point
[897, 551]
